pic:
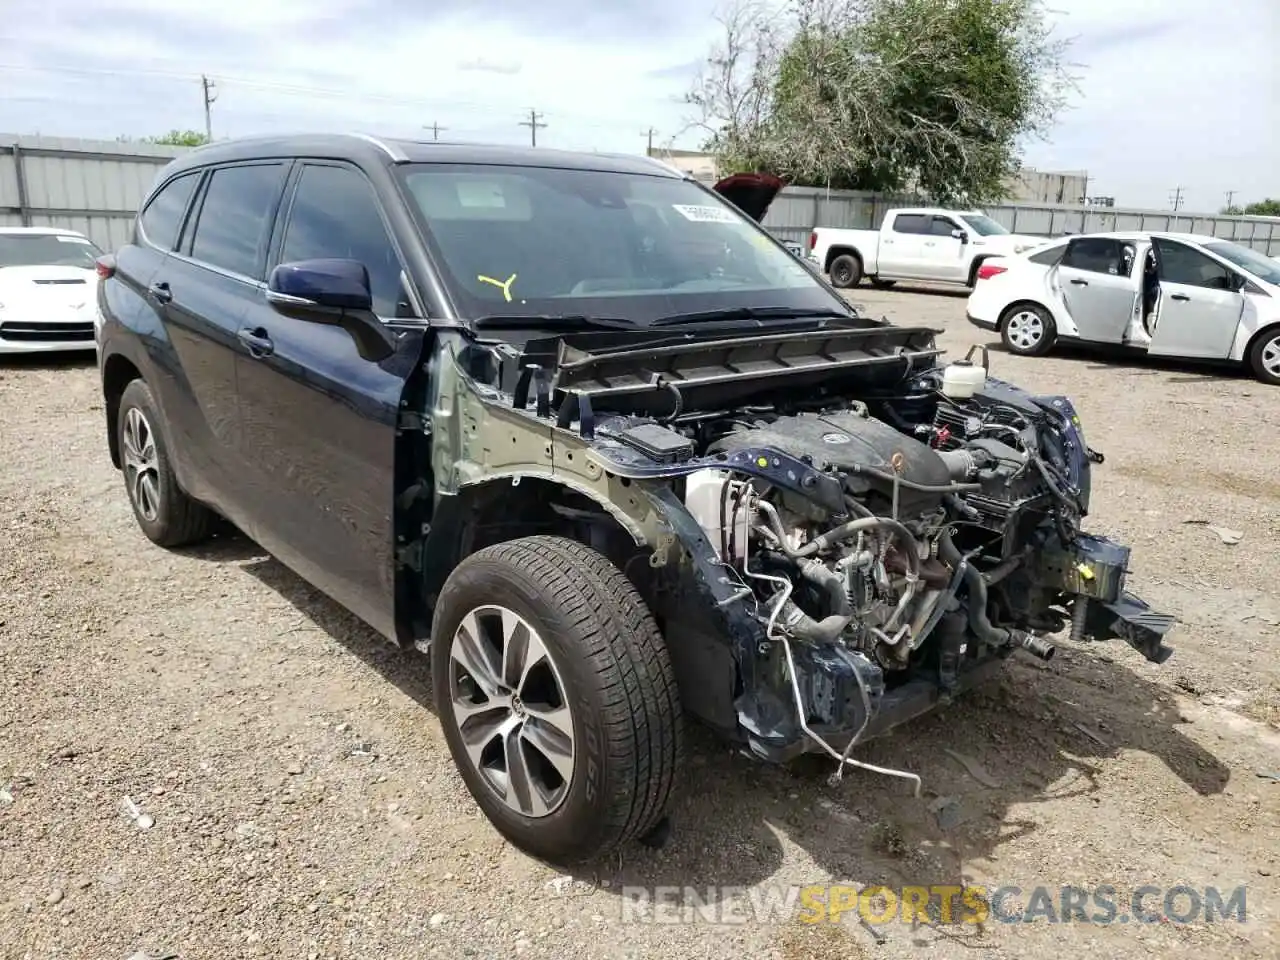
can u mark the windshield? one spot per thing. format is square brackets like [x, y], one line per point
[983, 225]
[537, 241]
[1259, 264]
[46, 250]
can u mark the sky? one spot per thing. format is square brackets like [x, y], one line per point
[1171, 93]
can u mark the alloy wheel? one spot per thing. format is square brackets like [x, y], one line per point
[509, 704]
[1025, 329]
[141, 468]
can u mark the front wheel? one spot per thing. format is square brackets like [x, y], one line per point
[1264, 357]
[557, 697]
[1028, 330]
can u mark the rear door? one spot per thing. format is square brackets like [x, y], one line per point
[1095, 280]
[203, 290]
[1201, 303]
[943, 255]
[901, 249]
[320, 422]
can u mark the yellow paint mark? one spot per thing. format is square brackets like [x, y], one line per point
[504, 287]
[762, 461]
[1084, 571]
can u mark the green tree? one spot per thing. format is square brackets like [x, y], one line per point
[1263, 208]
[174, 138]
[934, 95]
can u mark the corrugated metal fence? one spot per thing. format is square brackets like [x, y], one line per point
[94, 186]
[797, 210]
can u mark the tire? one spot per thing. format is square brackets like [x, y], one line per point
[1264, 357]
[163, 510]
[882, 284]
[1028, 330]
[846, 271]
[605, 660]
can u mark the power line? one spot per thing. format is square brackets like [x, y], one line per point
[435, 129]
[1176, 199]
[533, 123]
[1231, 195]
[208, 86]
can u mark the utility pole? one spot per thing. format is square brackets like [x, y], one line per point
[649, 134]
[208, 86]
[1231, 195]
[533, 123]
[435, 129]
[1176, 200]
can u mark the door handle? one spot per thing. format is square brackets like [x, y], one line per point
[1179, 296]
[160, 291]
[1080, 283]
[258, 342]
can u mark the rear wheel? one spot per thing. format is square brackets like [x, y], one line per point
[557, 697]
[163, 510]
[1264, 357]
[1028, 329]
[846, 271]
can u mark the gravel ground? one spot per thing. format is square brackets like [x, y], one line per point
[295, 797]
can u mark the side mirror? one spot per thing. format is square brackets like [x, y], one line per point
[336, 293]
[960, 235]
[1237, 282]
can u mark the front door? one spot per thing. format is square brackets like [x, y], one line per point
[1200, 303]
[943, 254]
[1096, 282]
[320, 423]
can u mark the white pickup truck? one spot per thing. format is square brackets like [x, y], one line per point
[930, 244]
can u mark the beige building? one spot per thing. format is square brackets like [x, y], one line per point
[701, 166]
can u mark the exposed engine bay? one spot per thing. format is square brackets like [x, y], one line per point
[871, 547]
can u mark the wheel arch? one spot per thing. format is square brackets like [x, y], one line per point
[118, 371]
[1023, 302]
[1257, 337]
[840, 250]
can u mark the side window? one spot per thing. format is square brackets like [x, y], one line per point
[942, 226]
[234, 217]
[1095, 254]
[162, 218]
[914, 223]
[1181, 264]
[335, 214]
[1051, 257]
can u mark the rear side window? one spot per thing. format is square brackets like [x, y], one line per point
[162, 218]
[1051, 257]
[1095, 254]
[235, 216]
[335, 214]
[911, 223]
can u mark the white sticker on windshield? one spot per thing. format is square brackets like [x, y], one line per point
[704, 214]
[80, 240]
[479, 193]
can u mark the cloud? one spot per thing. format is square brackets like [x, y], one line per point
[1172, 92]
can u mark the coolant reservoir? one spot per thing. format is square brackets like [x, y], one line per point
[963, 379]
[704, 494]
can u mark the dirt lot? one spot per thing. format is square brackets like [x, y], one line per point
[302, 804]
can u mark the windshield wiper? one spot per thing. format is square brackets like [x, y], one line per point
[550, 321]
[752, 313]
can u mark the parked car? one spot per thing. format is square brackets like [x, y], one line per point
[1165, 294]
[47, 298]
[941, 246]
[660, 471]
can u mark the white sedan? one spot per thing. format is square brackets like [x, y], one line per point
[1166, 294]
[48, 290]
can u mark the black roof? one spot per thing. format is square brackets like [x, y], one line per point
[368, 149]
